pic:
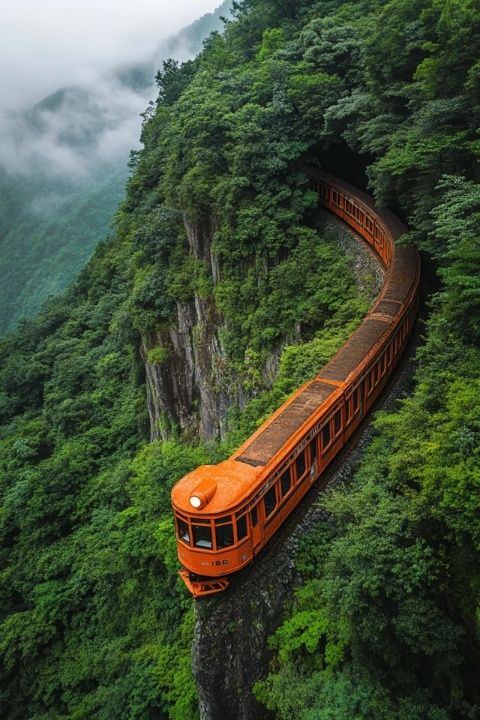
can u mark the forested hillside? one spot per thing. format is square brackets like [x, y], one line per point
[63, 170]
[218, 215]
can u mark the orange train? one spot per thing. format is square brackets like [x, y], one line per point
[226, 513]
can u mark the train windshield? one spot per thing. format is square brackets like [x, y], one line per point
[224, 535]
[202, 536]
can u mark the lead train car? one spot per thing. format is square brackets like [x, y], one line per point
[226, 513]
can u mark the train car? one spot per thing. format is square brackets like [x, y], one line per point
[226, 513]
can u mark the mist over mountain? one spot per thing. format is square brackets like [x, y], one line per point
[63, 166]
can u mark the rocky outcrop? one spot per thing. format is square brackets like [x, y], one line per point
[186, 385]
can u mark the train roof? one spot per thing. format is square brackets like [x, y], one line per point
[235, 481]
[355, 350]
[294, 413]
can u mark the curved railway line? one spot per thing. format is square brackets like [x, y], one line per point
[227, 513]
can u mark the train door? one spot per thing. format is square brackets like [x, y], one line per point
[256, 527]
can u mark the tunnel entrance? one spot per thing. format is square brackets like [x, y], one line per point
[340, 160]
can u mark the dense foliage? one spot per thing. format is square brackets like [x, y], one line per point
[386, 623]
[94, 623]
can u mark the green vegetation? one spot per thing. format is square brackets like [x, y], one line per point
[48, 231]
[94, 622]
[385, 625]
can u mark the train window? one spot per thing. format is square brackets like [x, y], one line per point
[254, 516]
[313, 450]
[270, 501]
[370, 380]
[337, 422]
[300, 464]
[202, 536]
[348, 410]
[286, 482]
[326, 436]
[356, 398]
[183, 532]
[226, 519]
[224, 535]
[241, 527]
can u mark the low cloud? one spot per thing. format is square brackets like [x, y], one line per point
[88, 50]
[47, 44]
[78, 128]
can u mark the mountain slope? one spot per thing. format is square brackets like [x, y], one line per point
[64, 173]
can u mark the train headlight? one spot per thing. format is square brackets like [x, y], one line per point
[195, 501]
[202, 493]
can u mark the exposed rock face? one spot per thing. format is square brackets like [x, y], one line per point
[187, 388]
[183, 389]
[230, 651]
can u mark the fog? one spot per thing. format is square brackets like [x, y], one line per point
[45, 44]
[77, 46]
